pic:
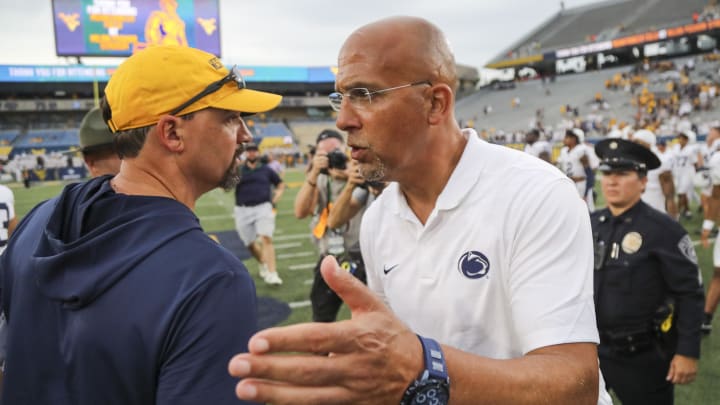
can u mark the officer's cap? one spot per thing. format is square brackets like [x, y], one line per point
[94, 132]
[621, 155]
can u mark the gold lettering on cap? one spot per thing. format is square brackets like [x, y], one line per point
[613, 145]
[215, 62]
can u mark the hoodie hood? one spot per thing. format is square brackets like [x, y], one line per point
[94, 237]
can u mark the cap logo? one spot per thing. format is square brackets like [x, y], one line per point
[613, 145]
[215, 62]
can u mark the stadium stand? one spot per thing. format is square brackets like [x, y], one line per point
[7, 137]
[668, 96]
[575, 90]
[306, 131]
[664, 12]
[49, 138]
[269, 129]
[579, 24]
[602, 21]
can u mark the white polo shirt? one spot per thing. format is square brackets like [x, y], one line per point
[503, 265]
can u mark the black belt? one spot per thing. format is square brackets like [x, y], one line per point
[628, 341]
[252, 204]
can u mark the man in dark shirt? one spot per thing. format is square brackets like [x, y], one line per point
[254, 211]
[112, 291]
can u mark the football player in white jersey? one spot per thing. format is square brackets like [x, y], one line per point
[712, 298]
[702, 177]
[536, 147]
[686, 157]
[8, 220]
[574, 160]
[660, 188]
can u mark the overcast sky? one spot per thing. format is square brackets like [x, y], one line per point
[304, 32]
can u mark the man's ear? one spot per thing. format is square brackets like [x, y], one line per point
[442, 103]
[169, 133]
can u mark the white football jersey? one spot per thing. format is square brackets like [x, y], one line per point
[653, 195]
[685, 158]
[7, 212]
[569, 160]
[538, 147]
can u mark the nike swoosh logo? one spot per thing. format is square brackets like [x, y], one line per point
[388, 270]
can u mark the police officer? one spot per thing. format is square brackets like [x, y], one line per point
[648, 290]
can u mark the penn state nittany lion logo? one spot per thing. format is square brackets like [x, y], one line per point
[473, 264]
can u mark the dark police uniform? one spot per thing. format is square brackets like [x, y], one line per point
[648, 290]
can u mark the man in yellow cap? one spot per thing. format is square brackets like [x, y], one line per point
[113, 293]
[96, 145]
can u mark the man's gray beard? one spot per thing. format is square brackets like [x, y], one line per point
[376, 172]
[231, 178]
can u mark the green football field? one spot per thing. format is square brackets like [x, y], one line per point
[296, 257]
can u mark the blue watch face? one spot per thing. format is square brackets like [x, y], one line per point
[432, 392]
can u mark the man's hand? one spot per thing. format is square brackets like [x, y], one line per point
[683, 370]
[353, 173]
[372, 357]
[320, 161]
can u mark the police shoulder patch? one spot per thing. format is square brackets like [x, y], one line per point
[686, 247]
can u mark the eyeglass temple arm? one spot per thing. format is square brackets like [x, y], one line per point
[211, 88]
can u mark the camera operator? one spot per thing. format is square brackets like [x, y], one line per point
[326, 180]
[355, 196]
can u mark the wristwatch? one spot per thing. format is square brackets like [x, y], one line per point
[432, 386]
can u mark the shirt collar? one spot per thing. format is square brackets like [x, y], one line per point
[463, 178]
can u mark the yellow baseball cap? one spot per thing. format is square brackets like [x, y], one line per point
[157, 80]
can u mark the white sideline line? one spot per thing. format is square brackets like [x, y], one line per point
[292, 236]
[303, 266]
[293, 255]
[230, 216]
[299, 304]
[281, 246]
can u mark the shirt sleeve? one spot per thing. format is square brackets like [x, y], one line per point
[274, 177]
[684, 282]
[360, 195]
[550, 282]
[214, 324]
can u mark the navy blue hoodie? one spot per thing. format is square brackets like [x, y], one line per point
[117, 299]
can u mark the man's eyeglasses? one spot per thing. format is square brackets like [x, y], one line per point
[234, 75]
[362, 96]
